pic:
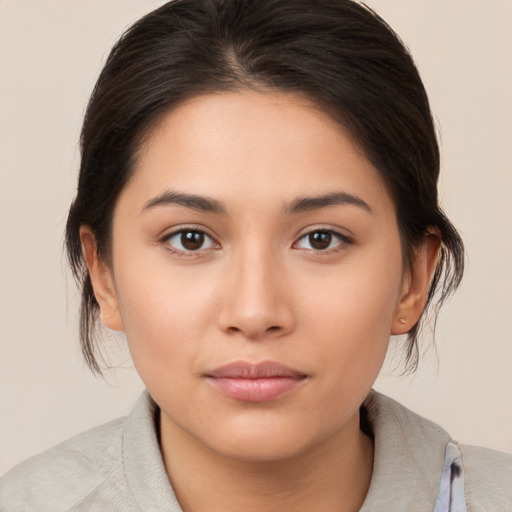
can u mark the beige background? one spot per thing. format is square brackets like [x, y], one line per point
[50, 54]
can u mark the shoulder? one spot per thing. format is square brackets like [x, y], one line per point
[416, 456]
[62, 477]
[488, 479]
[487, 473]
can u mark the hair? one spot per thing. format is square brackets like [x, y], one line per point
[339, 54]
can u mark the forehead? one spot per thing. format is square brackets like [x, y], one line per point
[241, 145]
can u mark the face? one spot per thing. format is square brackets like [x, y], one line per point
[257, 273]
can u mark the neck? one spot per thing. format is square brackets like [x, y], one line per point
[332, 476]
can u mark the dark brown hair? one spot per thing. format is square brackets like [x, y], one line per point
[338, 53]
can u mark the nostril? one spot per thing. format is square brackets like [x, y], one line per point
[237, 330]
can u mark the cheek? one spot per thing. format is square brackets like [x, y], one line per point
[353, 311]
[362, 293]
[166, 310]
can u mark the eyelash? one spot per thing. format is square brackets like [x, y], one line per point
[184, 252]
[342, 239]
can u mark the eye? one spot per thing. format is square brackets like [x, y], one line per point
[321, 240]
[190, 240]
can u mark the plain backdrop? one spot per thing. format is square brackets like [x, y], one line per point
[51, 52]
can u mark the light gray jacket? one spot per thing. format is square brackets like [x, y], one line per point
[118, 467]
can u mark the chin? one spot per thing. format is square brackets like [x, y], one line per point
[269, 441]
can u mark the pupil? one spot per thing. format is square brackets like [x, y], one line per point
[192, 240]
[320, 239]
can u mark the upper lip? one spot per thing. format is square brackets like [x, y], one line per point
[246, 370]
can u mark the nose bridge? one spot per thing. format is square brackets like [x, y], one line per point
[255, 301]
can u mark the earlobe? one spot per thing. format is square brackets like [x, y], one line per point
[102, 281]
[416, 285]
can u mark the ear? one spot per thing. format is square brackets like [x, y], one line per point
[416, 284]
[102, 281]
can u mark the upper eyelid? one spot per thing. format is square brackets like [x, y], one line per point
[166, 237]
[335, 231]
[181, 229]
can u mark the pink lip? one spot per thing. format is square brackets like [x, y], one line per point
[255, 382]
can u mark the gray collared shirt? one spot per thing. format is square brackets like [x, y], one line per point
[118, 467]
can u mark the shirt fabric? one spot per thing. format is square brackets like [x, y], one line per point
[118, 467]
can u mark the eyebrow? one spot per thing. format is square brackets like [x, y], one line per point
[322, 201]
[195, 202]
[299, 205]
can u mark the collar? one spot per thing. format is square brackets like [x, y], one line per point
[408, 459]
[143, 464]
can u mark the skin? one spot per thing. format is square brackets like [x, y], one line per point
[257, 289]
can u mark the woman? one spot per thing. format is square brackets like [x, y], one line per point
[257, 211]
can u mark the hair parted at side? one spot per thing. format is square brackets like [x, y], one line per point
[338, 53]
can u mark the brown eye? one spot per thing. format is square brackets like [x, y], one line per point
[190, 240]
[322, 240]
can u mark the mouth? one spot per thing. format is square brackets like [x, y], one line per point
[260, 382]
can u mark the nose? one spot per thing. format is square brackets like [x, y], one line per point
[257, 300]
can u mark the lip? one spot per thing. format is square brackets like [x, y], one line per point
[250, 382]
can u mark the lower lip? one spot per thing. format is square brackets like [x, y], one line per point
[255, 390]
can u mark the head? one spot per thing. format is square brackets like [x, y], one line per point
[338, 58]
